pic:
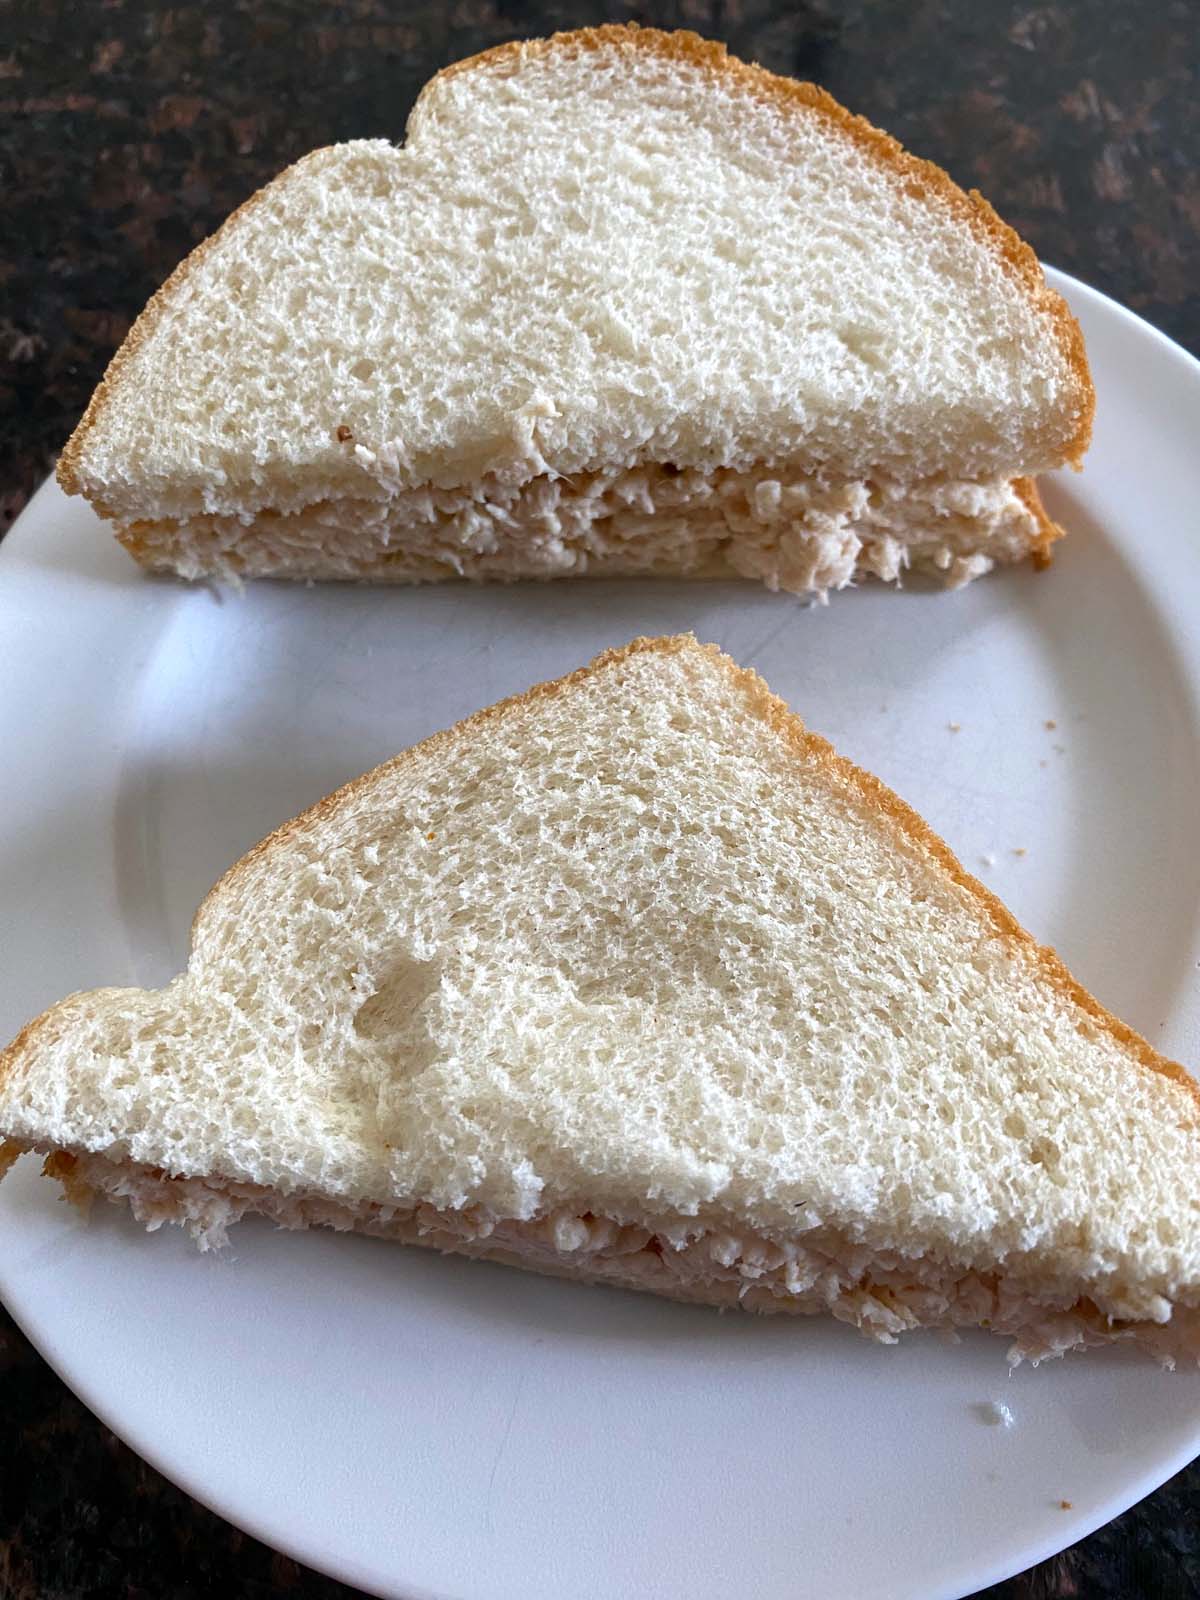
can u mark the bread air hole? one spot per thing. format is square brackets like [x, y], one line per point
[389, 1017]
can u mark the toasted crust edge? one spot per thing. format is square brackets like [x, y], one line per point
[67, 471]
[925, 178]
[31, 1036]
[1049, 531]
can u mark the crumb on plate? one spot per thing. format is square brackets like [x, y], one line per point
[996, 1414]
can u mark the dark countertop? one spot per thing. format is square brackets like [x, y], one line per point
[128, 131]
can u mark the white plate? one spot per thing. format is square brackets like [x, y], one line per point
[426, 1427]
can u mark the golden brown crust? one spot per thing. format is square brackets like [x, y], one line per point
[41, 1027]
[67, 471]
[923, 179]
[888, 805]
[20, 1046]
[880, 801]
[1026, 491]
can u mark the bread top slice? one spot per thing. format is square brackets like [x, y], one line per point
[609, 247]
[637, 945]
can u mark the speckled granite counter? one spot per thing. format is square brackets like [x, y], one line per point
[128, 131]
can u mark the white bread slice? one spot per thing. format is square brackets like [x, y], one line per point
[631, 978]
[598, 261]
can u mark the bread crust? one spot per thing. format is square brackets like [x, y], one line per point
[43, 1029]
[923, 179]
[1049, 532]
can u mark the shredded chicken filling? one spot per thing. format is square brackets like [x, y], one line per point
[799, 532]
[882, 1294]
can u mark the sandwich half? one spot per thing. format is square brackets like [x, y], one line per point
[620, 304]
[632, 979]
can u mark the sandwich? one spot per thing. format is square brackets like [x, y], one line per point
[620, 305]
[632, 979]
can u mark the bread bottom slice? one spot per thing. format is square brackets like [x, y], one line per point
[801, 532]
[880, 1292]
